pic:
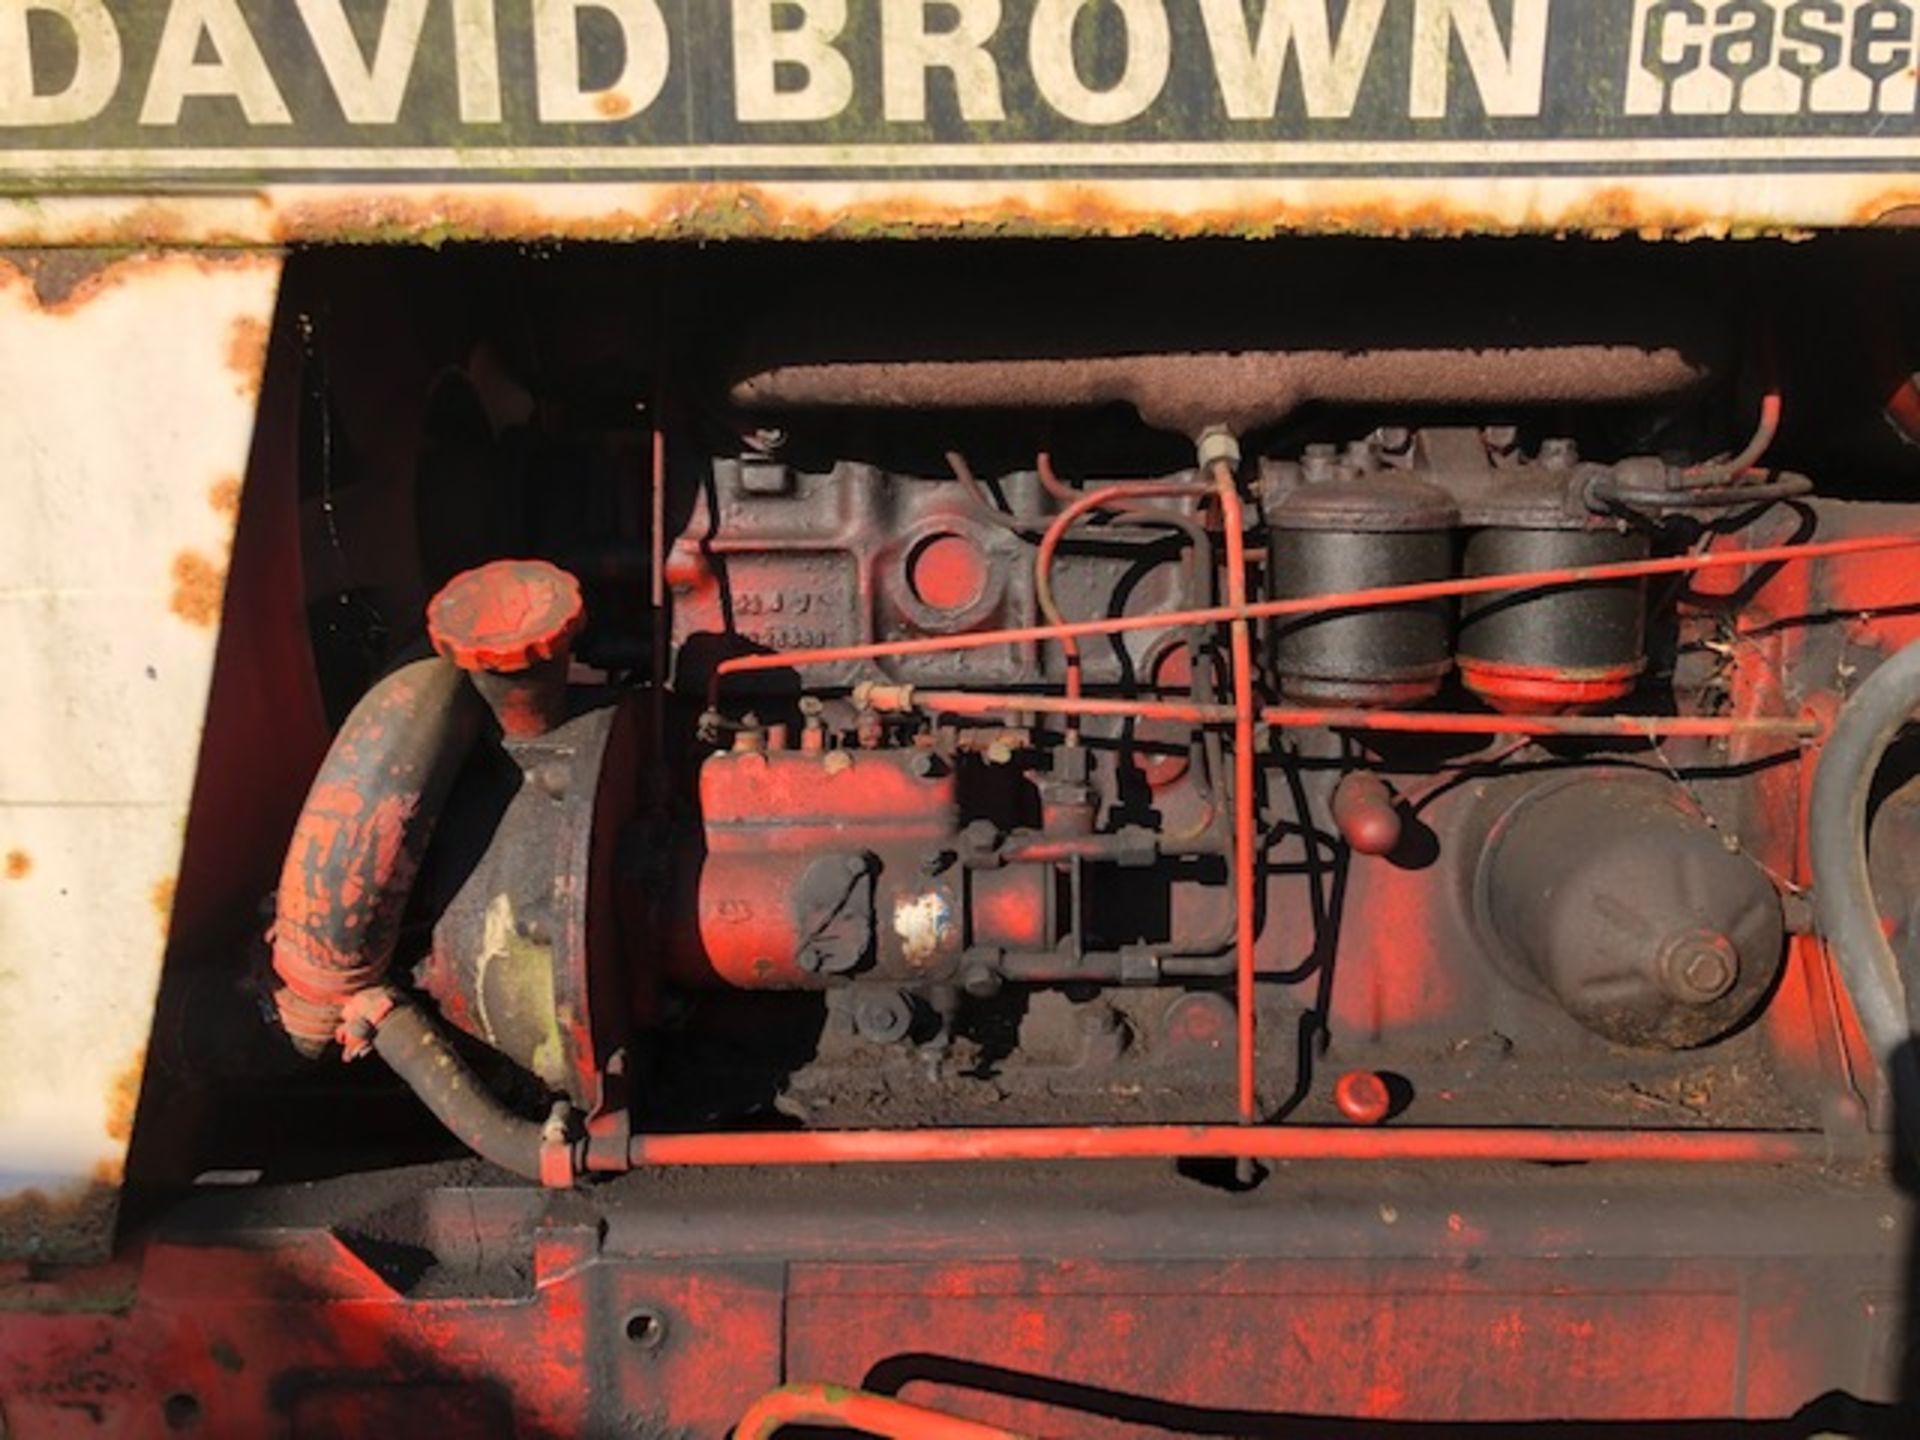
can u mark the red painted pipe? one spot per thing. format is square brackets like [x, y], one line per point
[1382, 596]
[1638, 727]
[831, 1406]
[995, 705]
[660, 661]
[1107, 497]
[1246, 819]
[1232, 1142]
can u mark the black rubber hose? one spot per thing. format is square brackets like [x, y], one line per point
[1730, 495]
[409, 1041]
[1843, 886]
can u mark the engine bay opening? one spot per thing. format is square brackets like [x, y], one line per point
[1209, 700]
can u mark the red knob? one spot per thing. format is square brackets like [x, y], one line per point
[1367, 814]
[1363, 1096]
[506, 617]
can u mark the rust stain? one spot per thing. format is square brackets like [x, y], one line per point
[56, 274]
[247, 352]
[1890, 212]
[1066, 208]
[997, 206]
[198, 585]
[19, 865]
[123, 1098]
[63, 282]
[613, 105]
[162, 897]
[224, 496]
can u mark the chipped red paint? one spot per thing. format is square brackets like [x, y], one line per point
[359, 843]
[506, 616]
[1461, 1306]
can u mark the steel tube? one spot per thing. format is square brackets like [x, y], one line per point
[1107, 497]
[1246, 820]
[985, 704]
[1232, 1142]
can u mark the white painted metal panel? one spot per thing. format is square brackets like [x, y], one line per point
[126, 412]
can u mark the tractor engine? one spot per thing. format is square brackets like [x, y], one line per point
[1199, 739]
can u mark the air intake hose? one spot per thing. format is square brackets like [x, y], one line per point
[1884, 997]
[358, 845]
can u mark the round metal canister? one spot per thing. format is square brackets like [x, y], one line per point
[1553, 650]
[1361, 533]
[1618, 899]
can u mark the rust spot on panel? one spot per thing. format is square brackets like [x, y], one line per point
[162, 897]
[19, 865]
[197, 588]
[86, 275]
[1891, 214]
[613, 105]
[224, 496]
[247, 352]
[123, 1097]
[56, 274]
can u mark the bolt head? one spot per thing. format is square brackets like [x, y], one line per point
[1700, 969]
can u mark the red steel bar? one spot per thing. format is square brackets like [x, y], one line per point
[1246, 819]
[1351, 600]
[1231, 1142]
[830, 1406]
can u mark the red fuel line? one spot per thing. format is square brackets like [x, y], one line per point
[1246, 816]
[1232, 1142]
[1274, 609]
[999, 704]
[1105, 498]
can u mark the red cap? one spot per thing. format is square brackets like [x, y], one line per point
[507, 616]
[1363, 1097]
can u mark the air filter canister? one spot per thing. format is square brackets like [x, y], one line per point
[1360, 532]
[1559, 650]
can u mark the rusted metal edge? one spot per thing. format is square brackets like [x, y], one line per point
[1652, 207]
